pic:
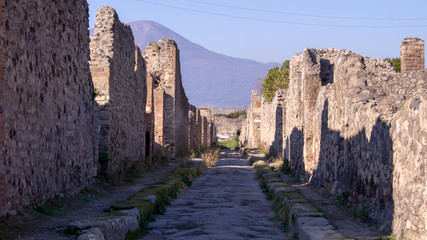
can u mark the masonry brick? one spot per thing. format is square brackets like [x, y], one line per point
[163, 65]
[412, 55]
[47, 120]
[119, 77]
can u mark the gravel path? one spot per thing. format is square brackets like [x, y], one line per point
[225, 203]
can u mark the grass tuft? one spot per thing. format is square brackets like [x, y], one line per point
[210, 157]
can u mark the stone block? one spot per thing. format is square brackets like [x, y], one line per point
[91, 234]
[112, 227]
[316, 228]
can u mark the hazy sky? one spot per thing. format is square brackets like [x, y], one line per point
[274, 30]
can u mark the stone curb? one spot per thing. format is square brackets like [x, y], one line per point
[304, 220]
[126, 219]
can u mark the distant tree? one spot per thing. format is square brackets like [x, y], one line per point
[276, 79]
[235, 114]
[395, 62]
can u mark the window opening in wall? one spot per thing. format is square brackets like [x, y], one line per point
[147, 143]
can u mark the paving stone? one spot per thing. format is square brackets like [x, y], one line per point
[225, 203]
[91, 234]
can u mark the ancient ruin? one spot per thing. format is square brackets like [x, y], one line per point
[251, 129]
[47, 117]
[352, 125]
[75, 107]
[412, 55]
[118, 73]
[227, 128]
[162, 61]
[58, 128]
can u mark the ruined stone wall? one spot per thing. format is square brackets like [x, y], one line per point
[204, 132]
[271, 136]
[227, 128]
[119, 77]
[202, 129]
[181, 110]
[412, 55]
[46, 122]
[162, 60]
[409, 135]
[250, 136]
[149, 119]
[347, 129]
[199, 130]
[207, 127]
[192, 127]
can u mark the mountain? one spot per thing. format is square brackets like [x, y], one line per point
[209, 78]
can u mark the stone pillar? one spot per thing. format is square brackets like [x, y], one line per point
[149, 117]
[159, 112]
[255, 118]
[412, 55]
[199, 124]
[162, 61]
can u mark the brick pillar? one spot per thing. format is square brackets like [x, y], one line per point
[412, 55]
[2, 119]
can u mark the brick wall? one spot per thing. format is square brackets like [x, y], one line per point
[163, 64]
[412, 55]
[271, 124]
[250, 136]
[149, 118]
[227, 128]
[354, 126]
[46, 122]
[2, 120]
[119, 77]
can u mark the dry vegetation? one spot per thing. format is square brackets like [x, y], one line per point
[210, 157]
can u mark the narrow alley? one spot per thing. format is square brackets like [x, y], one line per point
[225, 203]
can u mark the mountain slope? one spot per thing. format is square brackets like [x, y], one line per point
[209, 78]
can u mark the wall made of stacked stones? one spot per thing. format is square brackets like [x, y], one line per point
[162, 61]
[227, 128]
[412, 55]
[409, 135]
[192, 127]
[352, 140]
[199, 130]
[271, 137]
[47, 120]
[250, 136]
[120, 80]
[293, 127]
[207, 127]
[181, 111]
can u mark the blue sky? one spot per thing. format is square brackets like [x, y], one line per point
[275, 30]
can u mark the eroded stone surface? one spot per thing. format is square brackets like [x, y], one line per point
[46, 117]
[353, 125]
[227, 128]
[225, 203]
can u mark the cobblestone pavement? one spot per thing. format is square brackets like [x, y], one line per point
[225, 203]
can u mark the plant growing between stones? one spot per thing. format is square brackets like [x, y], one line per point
[395, 62]
[210, 157]
[286, 168]
[95, 93]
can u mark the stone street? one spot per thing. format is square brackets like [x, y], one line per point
[226, 203]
